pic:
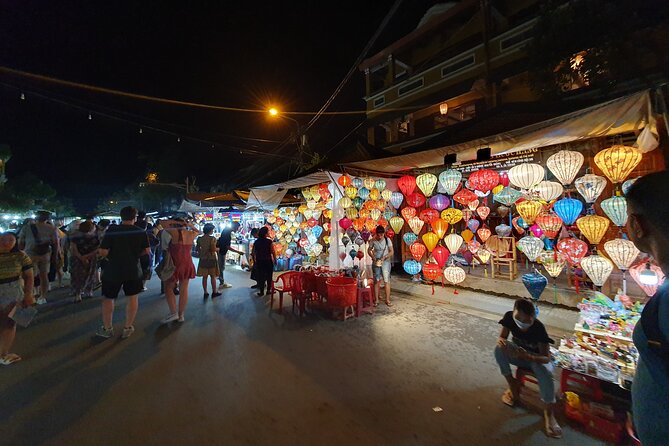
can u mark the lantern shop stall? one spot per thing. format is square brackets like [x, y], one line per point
[543, 216]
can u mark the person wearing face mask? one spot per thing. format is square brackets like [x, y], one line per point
[648, 228]
[528, 349]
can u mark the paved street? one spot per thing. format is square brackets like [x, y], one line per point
[234, 374]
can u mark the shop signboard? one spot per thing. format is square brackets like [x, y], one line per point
[500, 162]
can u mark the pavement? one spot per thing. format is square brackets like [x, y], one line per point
[236, 373]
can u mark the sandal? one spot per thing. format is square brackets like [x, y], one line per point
[507, 398]
[388, 303]
[9, 358]
[554, 431]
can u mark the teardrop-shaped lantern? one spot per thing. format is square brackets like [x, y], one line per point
[548, 190]
[375, 214]
[440, 226]
[553, 262]
[368, 183]
[550, 224]
[380, 184]
[351, 213]
[531, 246]
[464, 197]
[374, 194]
[386, 195]
[483, 233]
[453, 242]
[483, 212]
[590, 186]
[450, 180]
[573, 249]
[397, 223]
[451, 215]
[529, 210]
[417, 250]
[472, 205]
[426, 183]
[526, 175]
[502, 210]
[618, 162]
[407, 184]
[483, 255]
[441, 255]
[396, 199]
[416, 224]
[357, 183]
[593, 227]
[597, 268]
[484, 180]
[507, 196]
[568, 209]
[535, 283]
[430, 239]
[439, 202]
[473, 224]
[622, 252]
[642, 267]
[416, 199]
[616, 209]
[473, 246]
[565, 164]
[370, 224]
[351, 192]
[454, 274]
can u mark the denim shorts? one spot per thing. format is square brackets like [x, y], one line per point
[382, 272]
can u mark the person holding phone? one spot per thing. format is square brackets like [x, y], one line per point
[381, 251]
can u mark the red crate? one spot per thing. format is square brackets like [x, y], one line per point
[607, 430]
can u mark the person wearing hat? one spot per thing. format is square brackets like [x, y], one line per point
[40, 241]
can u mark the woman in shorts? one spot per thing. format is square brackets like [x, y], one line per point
[207, 267]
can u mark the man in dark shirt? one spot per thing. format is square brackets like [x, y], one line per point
[224, 245]
[528, 350]
[122, 245]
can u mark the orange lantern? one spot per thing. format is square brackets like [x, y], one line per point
[467, 235]
[430, 239]
[440, 226]
[408, 212]
[429, 215]
[344, 180]
[417, 250]
[483, 233]
[359, 224]
[550, 224]
[370, 224]
[483, 212]
[464, 197]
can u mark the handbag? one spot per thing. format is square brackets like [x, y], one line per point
[166, 267]
[379, 262]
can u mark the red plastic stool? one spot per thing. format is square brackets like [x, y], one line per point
[365, 301]
[578, 383]
[528, 388]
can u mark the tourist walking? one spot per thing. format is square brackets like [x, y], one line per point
[182, 237]
[381, 251]
[40, 241]
[15, 267]
[84, 246]
[207, 267]
[224, 245]
[264, 260]
[122, 245]
[648, 228]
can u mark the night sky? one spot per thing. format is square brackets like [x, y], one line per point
[245, 54]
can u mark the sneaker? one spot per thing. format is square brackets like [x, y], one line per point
[41, 301]
[181, 318]
[127, 332]
[105, 332]
[170, 318]
[226, 285]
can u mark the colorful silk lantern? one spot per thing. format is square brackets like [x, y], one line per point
[345, 223]
[430, 239]
[416, 199]
[553, 262]
[357, 182]
[529, 210]
[453, 242]
[531, 246]
[363, 193]
[593, 227]
[536, 230]
[417, 250]
[454, 274]
[518, 227]
[374, 194]
[368, 182]
[503, 230]
[644, 267]
[396, 199]
[416, 224]
[408, 212]
[483, 212]
[409, 238]
[483, 233]
[375, 214]
[473, 246]
[627, 184]
[450, 180]
[507, 196]
[431, 271]
[472, 205]
[386, 194]
[484, 180]
[590, 186]
[467, 235]
[565, 164]
[502, 210]
[473, 224]
[573, 249]
[548, 190]
[440, 254]
[370, 224]
[464, 197]
[344, 180]
[439, 227]
[439, 202]
[616, 209]
[535, 284]
[412, 267]
[380, 184]
[407, 184]
[426, 183]
[351, 213]
[390, 233]
[451, 215]
[526, 175]
[429, 215]
[622, 252]
[618, 162]
[598, 269]
[497, 189]
[568, 209]
[550, 224]
[358, 202]
[483, 255]
[397, 223]
[345, 202]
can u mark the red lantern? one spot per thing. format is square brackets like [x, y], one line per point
[417, 250]
[383, 222]
[360, 255]
[407, 184]
[344, 181]
[483, 233]
[312, 222]
[431, 271]
[464, 197]
[504, 178]
[345, 223]
[441, 255]
[324, 192]
[484, 180]
[408, 212]
[303, 243]
[550, 224]
[342, 256]
[390, 233]
[573, 249]
[416, 199]
[429, 215]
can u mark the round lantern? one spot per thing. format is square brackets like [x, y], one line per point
[408, 212]
[597, 268]
[467, 235]
[453, 242]
[454, 274]
[386, 194]
[416, 224]
[503, 230]
[473, 224]
[344, 180]
[616, 209]
[345, 202]
[439, 202]
[484, 180]
[644, 267]
[573, 249]
[535, 283]
[431, 271]
[440, 226]
[451, 215]
[409, 238]
[568, 209]
[430, 239]
[416, 199]
[368, 183]
[526, 175]
[550, 224]
[593, 227]
[531, 246]
[507, 196]
[622, 252]
[483, 212]
[484, 234]
[618, 162]
[450, 180]
[396, 199]
[502, 210]
[426, 183]
[590, 186]
[429, 215]
[548, 190]
[345, 223]
[441, 255]
[407, 184]
[396, 223]
[417, 250]
[464, 197]
[412, 267]
[553, 262]
[358, 202]
[529, 210]
[351, 213]
[565, 164]
[357, 183]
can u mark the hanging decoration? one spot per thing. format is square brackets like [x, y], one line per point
[473, 224]
[568, 209]
[467, 235]
[472, 205]
[344, 180]
[573, 249]
[502, 210]
[416, 199]
[593, 227]
[363, 193]
[529, 210]
[464, 197]
[416, 224]
[357, 183]
[453, 242]
[431, 271]
[386, 194]
[597, 268]
[553, 262]
[440, 255]
[351, 192]
[644, 267]
[590, 186]
[518, 227]
[484, 180]
[440, 226]
[408, 213]
[345, 223]
[622, 252]
[439, 202]
[412, 267]
[628, 184]
[397, 223]
[450, 180]
[484, 234]
[407, 184]
[430, 239]
[618, 162]
[409, 238]
[548, 190]
[426, 183]
[531, 246]
[535, 283]
[396, 199]
[374, 194]
[454, 274]
[508, 196]
[483, 212]
[550, 224]
[368, 183]
[345, 202]
[526, 175]
[616, 209]
[483, 255]
[380, 184]
[473, 246]
[429, 215]
[565, 164]
[503, 230]
[417, 250]
[451, 215]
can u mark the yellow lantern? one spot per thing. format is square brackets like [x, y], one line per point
[430, 239]
[453, 242]
[328, 214]
[593, 227]
[484, 255]
[345, 202]
[454, 274]
[426, 183]
[451, 215]
[302, 208]
[439, 227]
[369, 183]
[553, 262]
[351, 213]
[283, 228]
[292, 230]
[618, 162]
[467, 235]
[326, 239]
[315, 192]
[598, 268]
[306, 192]
[416, 224]
[375, 214]
[351, 192]
[529, 210]
[497, 189]
[386, 194]
[396, 223]
[374, 194]
[276, 212]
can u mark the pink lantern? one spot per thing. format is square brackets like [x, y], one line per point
[484, 234]
[638, 268]
[536, 230]
[573, 249]
[473, 246]
[472, 205]
[484, 180]
[342, 256]
[390, 233]
[407, 184]
[345, 223]
[483, 212]
[504, 178]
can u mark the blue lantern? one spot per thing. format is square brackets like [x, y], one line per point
[520, 222]
[450, 180]
[388, 214]
[357, 183]
[363, 193]
[535, 283]
[616, 209]
[409, 238]
[548, 244]
[396, 199]
[568, 209]
[317, 231]
[358, 202]
[473, 224]
[412, 267]
[503, 230]
[627, 184]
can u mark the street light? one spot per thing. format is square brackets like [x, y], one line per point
[299, 136]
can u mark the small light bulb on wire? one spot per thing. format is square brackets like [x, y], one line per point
[90, 116]
[141, 131]
[178, 139]
[212, 146]
[23, 96]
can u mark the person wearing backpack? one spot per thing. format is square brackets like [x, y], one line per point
[381, 251]
[40, 241]
[648, 228]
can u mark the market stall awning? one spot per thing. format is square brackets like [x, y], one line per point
[627, 114]
[272, 195]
